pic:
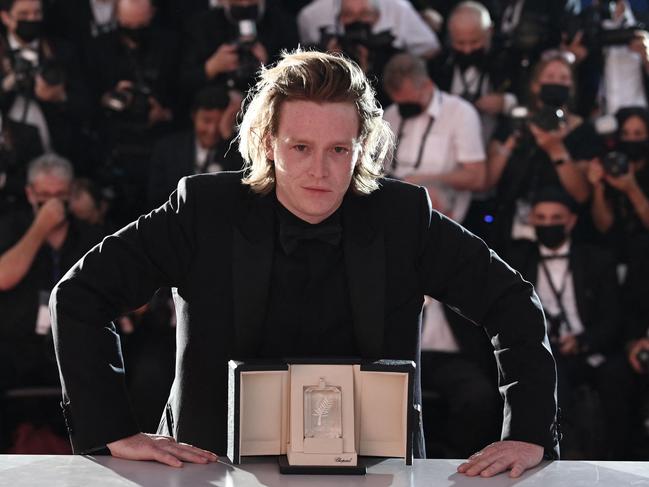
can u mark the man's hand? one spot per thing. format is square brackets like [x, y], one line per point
[49, 93]
[158, 113]
[50, 216]
[641, 344]
[500, 456]
[224, 60]
[491, 103]
[259, 51]
[163, 449]
[568, 345]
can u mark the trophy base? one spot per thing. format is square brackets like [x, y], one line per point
[287, 469]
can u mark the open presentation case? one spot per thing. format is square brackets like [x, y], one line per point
[320, 417]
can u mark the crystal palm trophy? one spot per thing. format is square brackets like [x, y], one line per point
[322, 411]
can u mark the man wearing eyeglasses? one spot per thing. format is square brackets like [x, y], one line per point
[36, 248]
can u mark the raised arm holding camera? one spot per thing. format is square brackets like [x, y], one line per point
[620, 203]
[544, 145]
[41, 79]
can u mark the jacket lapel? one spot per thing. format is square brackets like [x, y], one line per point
[363, 244]
[252, 259]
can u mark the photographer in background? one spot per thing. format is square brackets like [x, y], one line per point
[548, 146]
[37, 246]
[438, 137]
[471, 66]
[368, 31]
[136, 85]
[578, 288]
[41, 79]
[19, 144]
[228, 45]
[620, 203]
[204, 148]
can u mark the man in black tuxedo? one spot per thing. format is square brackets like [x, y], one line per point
[578, 288]
[312, 254]
[205, 148]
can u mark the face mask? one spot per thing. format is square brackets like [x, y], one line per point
[29, 30]
[554, 95]
[635, 150]
[551, 236]
[473, 58]
[239, 13]
[409, 110]
[138, 35]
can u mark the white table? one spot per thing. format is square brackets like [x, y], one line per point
[79, 471]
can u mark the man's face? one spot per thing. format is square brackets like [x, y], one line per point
[467, 35]
[46, 187]
[411, 91]
[552, 213]
[207, 125]
[358, 11]
[315, 151]
[29, 10]
[134, 15]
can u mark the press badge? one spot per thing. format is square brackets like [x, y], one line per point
[43, 323]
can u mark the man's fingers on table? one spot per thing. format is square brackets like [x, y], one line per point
[206, 453]
[495, 468]
[162, 456]
[186, 453]
[517, 470]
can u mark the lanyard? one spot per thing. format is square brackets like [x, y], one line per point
[558, 293]
[422, 144]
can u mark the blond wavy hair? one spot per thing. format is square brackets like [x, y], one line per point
[321, 78]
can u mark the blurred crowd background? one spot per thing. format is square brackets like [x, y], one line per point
[526, 120]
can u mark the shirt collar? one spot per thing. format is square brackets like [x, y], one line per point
[563, 250]
[435, 106]
[15, 44]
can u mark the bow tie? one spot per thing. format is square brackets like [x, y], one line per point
[290, 236]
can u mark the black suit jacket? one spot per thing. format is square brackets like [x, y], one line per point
[595, 286]
[213, 243]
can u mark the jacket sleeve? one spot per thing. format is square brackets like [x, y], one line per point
[116, 276]
[460, 270]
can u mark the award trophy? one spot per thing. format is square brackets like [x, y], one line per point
[322, 411]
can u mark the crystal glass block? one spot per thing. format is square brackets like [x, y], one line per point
[322, 411]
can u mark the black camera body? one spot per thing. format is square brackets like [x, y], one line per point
[547, 118]
[615, 163]
[356, 35]
[25, 70]
[248, 64]
[133, 101]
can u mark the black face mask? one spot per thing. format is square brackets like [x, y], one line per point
[239, 13]
[554, 95]
[29, 30]
[409, 110]
[551, 236]
[139, 35]
[635, 150]
[474, 58]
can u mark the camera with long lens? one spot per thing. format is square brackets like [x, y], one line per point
[615, 162]
[358, 34]
[594, 35]
[26, 68]
[547, 118]
[248, 65]
[132, 101]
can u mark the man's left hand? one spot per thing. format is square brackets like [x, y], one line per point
[501, 456]
[49, 93]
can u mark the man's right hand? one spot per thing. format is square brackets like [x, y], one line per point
[50, 216]
[163, 449]
[224, 60]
